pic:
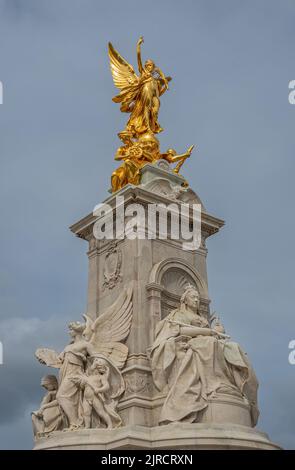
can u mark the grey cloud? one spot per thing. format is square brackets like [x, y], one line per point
[21, 372]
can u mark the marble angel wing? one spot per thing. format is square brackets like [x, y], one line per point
[122, 72]
[112, 327]
[117, 384]
[116, 352]
[49, 357]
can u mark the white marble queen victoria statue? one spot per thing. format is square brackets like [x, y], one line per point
[193, 361]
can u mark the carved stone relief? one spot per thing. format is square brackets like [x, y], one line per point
[175, 279]
[112, 267]
[138, 382]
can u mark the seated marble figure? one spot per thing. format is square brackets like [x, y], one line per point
[193, 361]
[49, 416]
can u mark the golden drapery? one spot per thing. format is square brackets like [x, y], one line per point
[142, 101]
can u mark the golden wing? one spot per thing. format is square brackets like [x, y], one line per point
[122, 72]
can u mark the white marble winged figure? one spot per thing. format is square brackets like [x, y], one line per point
[99, 338]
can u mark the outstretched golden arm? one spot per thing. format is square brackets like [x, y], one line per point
[139, 62]
[181, 158]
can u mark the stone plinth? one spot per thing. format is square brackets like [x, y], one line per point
[157, 270]
[172, 436]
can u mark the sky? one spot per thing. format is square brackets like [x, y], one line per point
[231, 62]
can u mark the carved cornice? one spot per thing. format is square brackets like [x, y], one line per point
[148, 402]
[84, 227]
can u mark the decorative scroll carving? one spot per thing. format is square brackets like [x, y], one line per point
[112, 266]
[138, 382]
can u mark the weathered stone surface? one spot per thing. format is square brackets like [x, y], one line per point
[159, 271]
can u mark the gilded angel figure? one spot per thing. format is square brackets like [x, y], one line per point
[139, 94]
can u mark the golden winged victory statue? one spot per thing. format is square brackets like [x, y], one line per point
[140, 96]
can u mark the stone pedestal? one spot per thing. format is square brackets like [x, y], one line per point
[158, 270]
[180, 436]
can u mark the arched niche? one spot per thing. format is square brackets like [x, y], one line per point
[167, 281]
